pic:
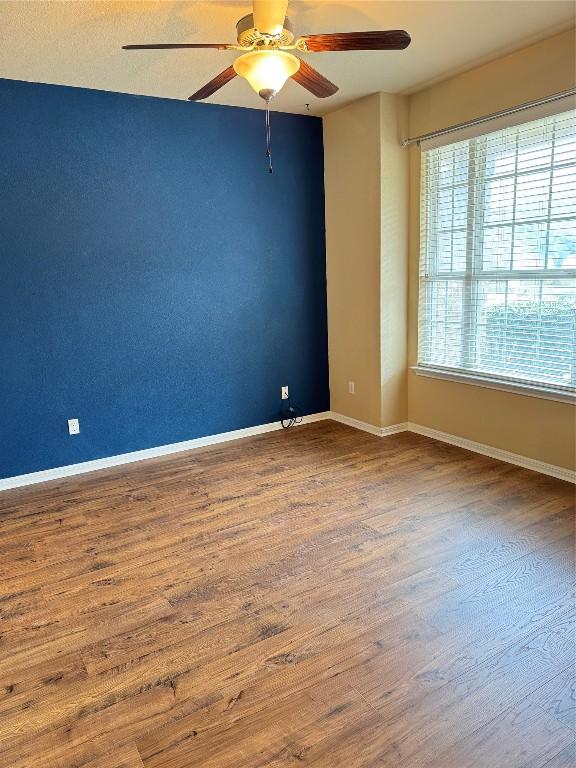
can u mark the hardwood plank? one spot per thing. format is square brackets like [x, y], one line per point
[46, 640]
[564, 759]
[522, 736]
[558, 697]
[238, 695]
[483, 692]
[548, 570]
[57, 672]
[125, 756]
[318, 596]
[265, 736]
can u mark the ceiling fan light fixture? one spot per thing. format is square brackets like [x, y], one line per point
[266, 71]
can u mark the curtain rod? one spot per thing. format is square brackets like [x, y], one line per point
[493, 116]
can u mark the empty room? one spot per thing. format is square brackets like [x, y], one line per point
[287, 383]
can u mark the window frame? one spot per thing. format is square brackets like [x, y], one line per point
[473, 274]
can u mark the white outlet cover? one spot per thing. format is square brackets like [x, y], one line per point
[285, 393]
[351, 388]
[73, 427]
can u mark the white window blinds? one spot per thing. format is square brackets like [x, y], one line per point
[498, 255]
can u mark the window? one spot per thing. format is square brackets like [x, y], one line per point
[498, 256]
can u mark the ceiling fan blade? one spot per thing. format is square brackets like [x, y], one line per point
[313, 81]
[385, 40]
[214, 84]
[170, 46]
[269, 15]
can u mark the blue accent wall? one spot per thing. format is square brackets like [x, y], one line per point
[155, 281]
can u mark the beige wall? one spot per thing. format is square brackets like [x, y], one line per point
[352, 184]
[540, 429]
[373, 252]
[366, 179]
[393, 267]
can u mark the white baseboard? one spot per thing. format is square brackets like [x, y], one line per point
[187, 445]
[148, 453]
[486, 450]
[365, 427]
[496, 453]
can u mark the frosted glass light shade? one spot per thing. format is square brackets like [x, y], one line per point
[266, 71]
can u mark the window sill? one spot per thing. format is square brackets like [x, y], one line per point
[504, 385]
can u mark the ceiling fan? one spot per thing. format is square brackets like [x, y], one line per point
[265, 38]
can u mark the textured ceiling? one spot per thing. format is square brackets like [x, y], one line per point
[78, 43]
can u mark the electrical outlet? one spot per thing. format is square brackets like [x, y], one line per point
[351, 388]
[73, 427]
[285, 394]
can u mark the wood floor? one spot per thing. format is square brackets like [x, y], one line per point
[316, 597]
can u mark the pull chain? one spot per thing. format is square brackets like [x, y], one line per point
[268, 138]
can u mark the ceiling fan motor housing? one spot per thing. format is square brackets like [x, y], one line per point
[249, 36]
